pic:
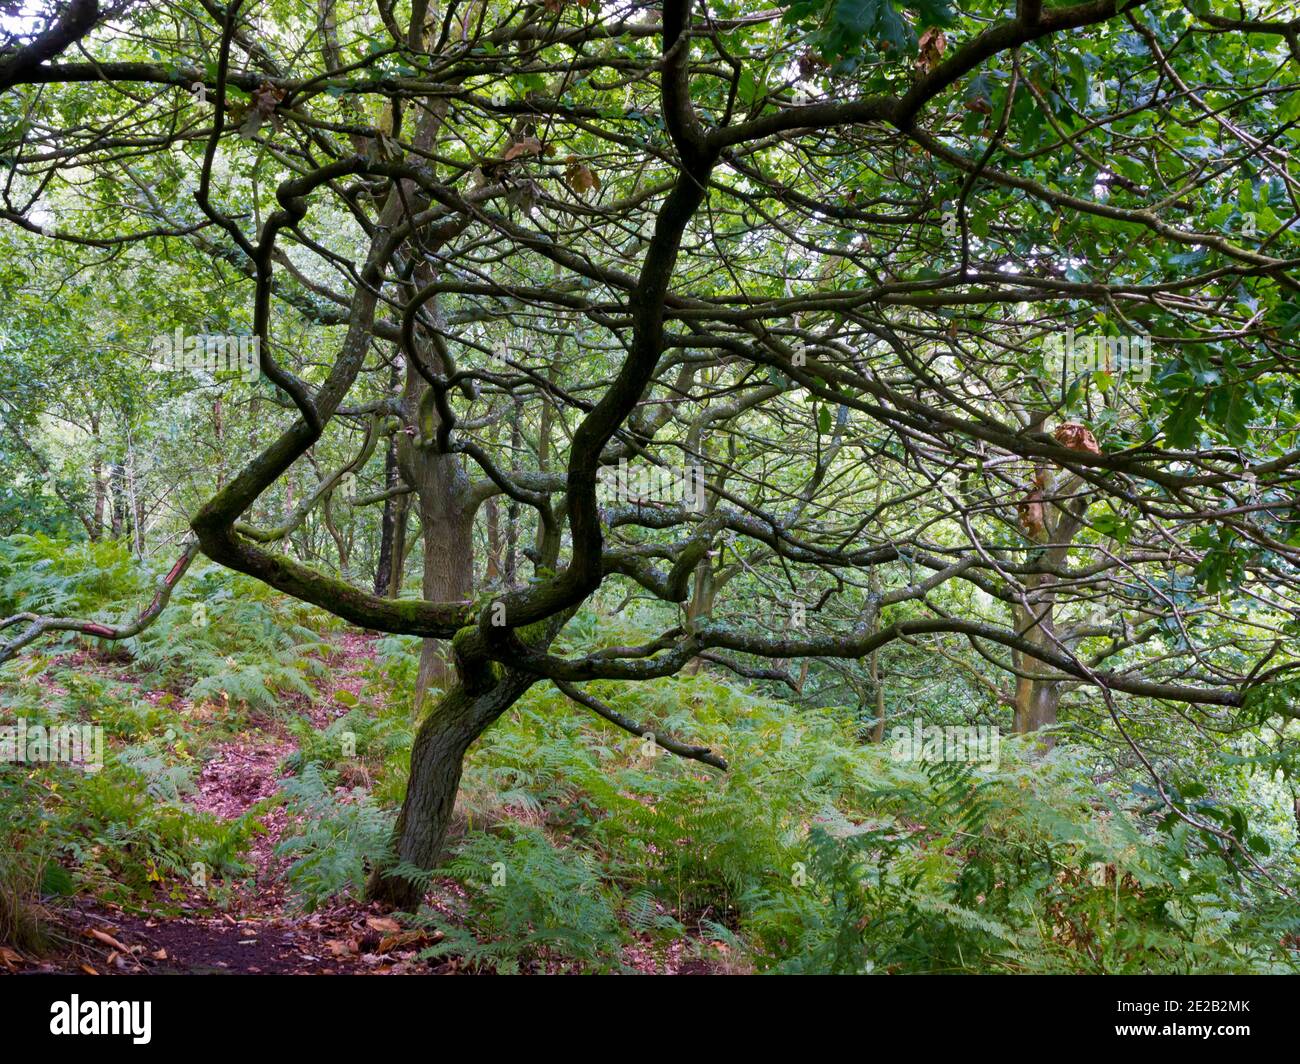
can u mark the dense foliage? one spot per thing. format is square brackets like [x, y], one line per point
[688, 401]
[815, 852]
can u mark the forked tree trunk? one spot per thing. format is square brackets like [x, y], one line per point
[447, 509]
[437, 755]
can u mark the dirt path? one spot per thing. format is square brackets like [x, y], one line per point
[258, 932]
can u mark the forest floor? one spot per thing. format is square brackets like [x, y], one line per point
[258, 930]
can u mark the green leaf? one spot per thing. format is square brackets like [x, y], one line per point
[1182, 426]
[1231, 409]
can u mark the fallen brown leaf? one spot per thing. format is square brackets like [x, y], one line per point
[107, 939]
[410, 938]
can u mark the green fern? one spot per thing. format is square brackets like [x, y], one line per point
[337, 839]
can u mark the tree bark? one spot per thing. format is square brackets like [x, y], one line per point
[1037, 699]
[401, 518]
[878, 690]
[447, 508]
[448, 564]
[388, 525]
[118, 510]
[101, 500]
[1037, 696]
[389, 550]
[437, 758]
[700, 607]
[492, 566]
[101, 491]
[512, 507]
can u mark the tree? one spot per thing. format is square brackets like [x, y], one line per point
[824, 328]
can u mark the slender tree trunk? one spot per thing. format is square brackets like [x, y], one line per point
[117, 477]
[1037, 699]
[492, 567]
[545, 422]
[101, 490]
[512, 508]
[494, 564]
[101, 500]
[877, 679]
[136, 505]
[388, 551]
[401, 518]
[388, 525]
[878, 688]
[437, 756]
[219, 428]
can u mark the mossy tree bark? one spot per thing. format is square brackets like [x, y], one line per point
[442, 740]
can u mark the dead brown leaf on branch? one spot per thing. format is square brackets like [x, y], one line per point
[931, 46]
[1077, 437]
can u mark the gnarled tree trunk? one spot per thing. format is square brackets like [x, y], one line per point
[444, 736]
[447, 506]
